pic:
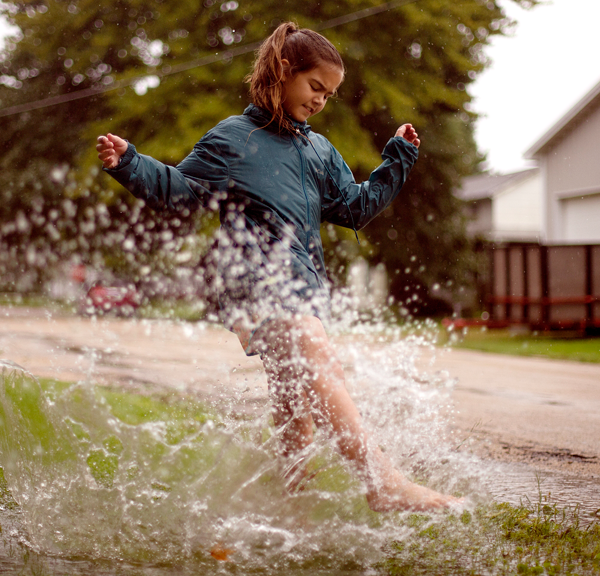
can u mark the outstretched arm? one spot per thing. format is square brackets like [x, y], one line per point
[161, 186]
[350, 204]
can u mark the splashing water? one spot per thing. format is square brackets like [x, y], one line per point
[103, 475]
[178, 486]
[100, 480]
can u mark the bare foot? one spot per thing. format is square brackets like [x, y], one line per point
[396, 494]
[411, 497]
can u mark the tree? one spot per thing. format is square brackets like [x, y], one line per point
[149, 61]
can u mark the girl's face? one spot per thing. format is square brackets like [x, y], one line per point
[305, 94]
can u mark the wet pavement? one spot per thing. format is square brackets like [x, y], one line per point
[537, 411]
[544, 413]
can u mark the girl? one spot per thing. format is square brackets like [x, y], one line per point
[274, 182]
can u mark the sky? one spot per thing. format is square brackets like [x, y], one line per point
[549, 63]
[537, 74]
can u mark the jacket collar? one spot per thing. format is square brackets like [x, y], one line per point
[263, 117]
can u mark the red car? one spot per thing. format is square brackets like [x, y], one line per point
[99, 298]
[121, 299]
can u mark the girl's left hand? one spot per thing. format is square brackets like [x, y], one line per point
[407, 132]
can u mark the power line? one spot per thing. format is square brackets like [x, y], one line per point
[169, 70]
[363, 14]
[165, 71]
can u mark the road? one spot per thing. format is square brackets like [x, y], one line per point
[530, 410]
[533, 410]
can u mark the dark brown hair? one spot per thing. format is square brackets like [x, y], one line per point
[304, 49]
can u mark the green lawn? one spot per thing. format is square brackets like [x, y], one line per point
[564, 346]
[501, 540]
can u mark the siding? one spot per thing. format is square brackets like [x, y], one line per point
[572, 166]
[574, 162]
[581, 218]
[518, 210]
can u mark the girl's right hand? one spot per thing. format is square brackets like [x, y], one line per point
[110, 149]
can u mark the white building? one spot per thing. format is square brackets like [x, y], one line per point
[556, 203]
[505, 207]
[569, 159]
[544, 265]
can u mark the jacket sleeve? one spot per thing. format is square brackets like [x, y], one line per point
[192, 184]
[354, 205]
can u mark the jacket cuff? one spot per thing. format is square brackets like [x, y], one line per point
[124, 160]
[405, 146]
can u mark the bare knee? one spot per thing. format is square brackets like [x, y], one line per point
[299, 359]
[303, 345]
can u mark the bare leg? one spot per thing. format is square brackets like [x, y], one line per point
[303, 371]
[293, 420]
[291, 407]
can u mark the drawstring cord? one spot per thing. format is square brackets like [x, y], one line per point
[334, 181]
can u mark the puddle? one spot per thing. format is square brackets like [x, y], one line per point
[519, 484]
[104, 490]
[515, 484]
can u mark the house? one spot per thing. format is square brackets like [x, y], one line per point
[504, 207]
[543, 225]
[568, 156]
[556, 203]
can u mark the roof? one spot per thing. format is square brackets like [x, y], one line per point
[480, 186]
[580, 109]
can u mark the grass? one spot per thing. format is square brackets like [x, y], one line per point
[189, 310]
[499, 540]
[180, 418]
[33, 300]
[562, 346]
[495, 539]
[186, 310]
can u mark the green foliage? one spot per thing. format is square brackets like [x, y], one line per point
[414, 65]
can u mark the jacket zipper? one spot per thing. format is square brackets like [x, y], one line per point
[303, 177]
[333, 180]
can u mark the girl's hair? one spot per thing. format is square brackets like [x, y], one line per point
[304, 49]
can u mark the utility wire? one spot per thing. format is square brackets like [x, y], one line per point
[362, 14]
[169, 70]
[165, 71]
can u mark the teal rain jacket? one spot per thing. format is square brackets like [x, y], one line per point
[278, 187]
